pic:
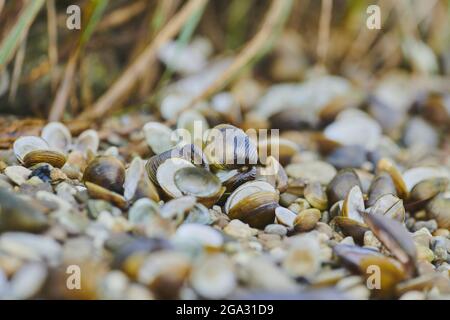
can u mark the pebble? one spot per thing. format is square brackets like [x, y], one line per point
[237, 229]
[276, 229]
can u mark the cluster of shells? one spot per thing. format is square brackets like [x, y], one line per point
[357, 181]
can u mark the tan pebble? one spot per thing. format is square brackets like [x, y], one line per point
[238, 229]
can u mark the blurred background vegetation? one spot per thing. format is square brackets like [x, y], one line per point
[50, 72]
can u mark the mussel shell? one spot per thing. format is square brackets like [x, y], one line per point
[316, 196]
[54, 158]
[245, 190]
[195, 181]
[439, 209]
[107, 172]
[189, 152]
[199, 182]
[98, 192]
[258, 209]
[166, 173]
[24, 145]
[352, 228]
[395, 237]
[306, 220]
[382, 184]
[340, 185]
[385, 165]
[427, 189]
[228, 147]
[351, 256]
[353, 204]
[57, 136]
[235, 178]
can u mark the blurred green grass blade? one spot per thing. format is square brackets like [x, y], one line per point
[14, 37]
[182, 41]
[97, 8]
[237, 22]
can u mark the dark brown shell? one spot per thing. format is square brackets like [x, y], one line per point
[382, 184]
[258, 209]
[107, 172]
[340, 185]
[395, 237]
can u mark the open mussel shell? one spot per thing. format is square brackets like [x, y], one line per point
[199, 182]
[385, 165]
[273, 173]
[87, 140]
[390, 206]
[228, 147]
[107, 172]
[57, 135]
[189, 152]
[24, 145]
[234, 178]
[415, 175]
[353, 204]
[166, 175]
[352, 228]
[364, 261]
[381, 185]
[427, 189]
[439, 209]
[395, 237]
[341, 184]
[257, 209]
[52, 157]
[137, 185]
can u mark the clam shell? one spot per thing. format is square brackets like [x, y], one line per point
[245, 190]
[316, 196]
[87, 140]
[439, 209]
[158, 137]
[23, 145]
[352, 228]
[58, 136]
[385, 165]
[340, 186]
[257, 209]
[306, 220]
[380, 186]
[353, 204]
[166, 175]
[107, 172]
[395, 237]
[54, 158]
